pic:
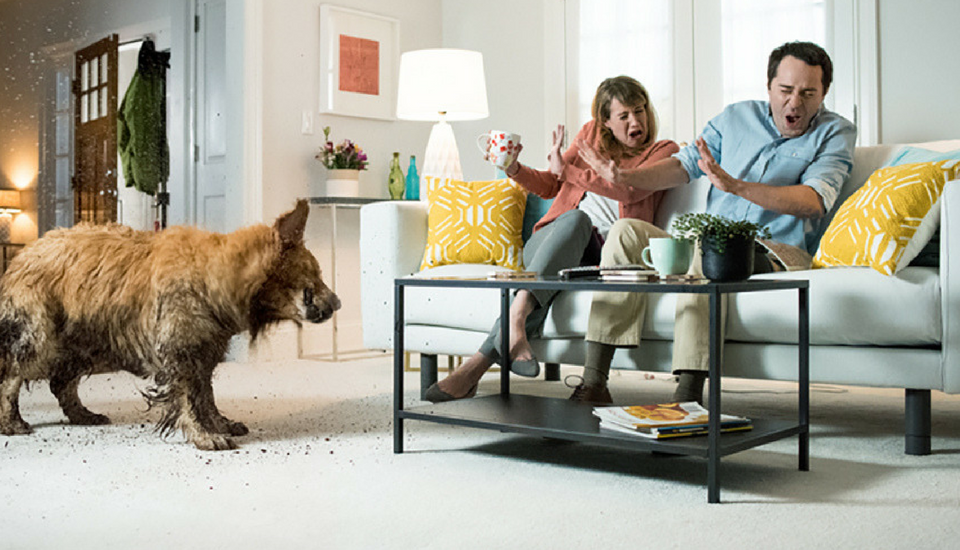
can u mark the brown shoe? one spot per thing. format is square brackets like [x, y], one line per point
[594, 395]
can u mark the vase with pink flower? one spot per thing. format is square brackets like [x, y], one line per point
[343, 162]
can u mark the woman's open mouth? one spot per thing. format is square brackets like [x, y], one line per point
[636, 134]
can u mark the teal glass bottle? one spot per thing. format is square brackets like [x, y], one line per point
[413, 180]
[395, 182]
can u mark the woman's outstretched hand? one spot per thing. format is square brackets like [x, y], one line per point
[555, 156]
[605, 168]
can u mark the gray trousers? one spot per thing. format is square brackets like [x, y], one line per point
[558, 245]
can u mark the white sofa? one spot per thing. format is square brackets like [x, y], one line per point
[866, 329]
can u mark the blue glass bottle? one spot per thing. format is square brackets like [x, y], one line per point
[413, 180]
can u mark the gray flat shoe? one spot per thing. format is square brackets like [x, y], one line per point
[435, 395]
[525, 367]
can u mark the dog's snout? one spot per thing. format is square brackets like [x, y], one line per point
[319, 310]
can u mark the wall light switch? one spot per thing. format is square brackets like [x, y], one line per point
[306, 123]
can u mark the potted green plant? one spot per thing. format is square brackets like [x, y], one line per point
[726, 246]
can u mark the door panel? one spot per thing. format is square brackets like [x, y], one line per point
[95, 136]
[211, 115]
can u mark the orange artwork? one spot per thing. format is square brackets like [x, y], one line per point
[359, 65]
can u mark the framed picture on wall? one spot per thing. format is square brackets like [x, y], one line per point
[359, 56]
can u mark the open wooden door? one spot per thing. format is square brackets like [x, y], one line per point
[95, 132]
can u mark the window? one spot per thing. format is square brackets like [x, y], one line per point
[630, 38]
[751, 29]
[696, 57]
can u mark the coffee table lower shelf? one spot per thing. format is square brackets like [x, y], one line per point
[563, 419]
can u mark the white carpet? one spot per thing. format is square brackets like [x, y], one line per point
[318, 471]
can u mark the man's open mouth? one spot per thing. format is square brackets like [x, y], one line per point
[792, 119]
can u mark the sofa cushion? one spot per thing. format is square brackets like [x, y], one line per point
[460, 308]
[848, 306]
[888, 220]
[474, 222]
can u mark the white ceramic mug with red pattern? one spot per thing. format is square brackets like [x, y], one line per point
[500, 148]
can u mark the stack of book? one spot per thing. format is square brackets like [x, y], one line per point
[666, 420]
[630, 273]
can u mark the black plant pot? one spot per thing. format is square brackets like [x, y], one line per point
[735, 263]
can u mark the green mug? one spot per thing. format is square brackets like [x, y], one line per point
[669, 256]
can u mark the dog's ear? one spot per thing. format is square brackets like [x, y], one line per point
[290, 225]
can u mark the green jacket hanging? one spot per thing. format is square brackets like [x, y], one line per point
[142, 124]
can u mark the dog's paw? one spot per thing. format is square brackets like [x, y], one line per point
[88, 419]
[15, 427]
[237, 428]
[214, 442]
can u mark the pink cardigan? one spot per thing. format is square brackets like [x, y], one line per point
[578, 178]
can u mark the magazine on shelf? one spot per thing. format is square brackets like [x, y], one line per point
[666, 420]
[676, 431]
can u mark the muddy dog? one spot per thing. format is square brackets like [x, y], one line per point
[95, 299]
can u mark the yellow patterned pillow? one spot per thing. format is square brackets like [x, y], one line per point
[888, 220]
[474, 222]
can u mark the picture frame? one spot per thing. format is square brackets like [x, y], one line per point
[359, 62]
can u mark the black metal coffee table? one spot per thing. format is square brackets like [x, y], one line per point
[564, 419]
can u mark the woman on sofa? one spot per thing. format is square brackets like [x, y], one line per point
[624, 129]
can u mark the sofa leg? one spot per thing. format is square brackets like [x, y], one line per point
[428, 372]
[917, 414]
[551, 372]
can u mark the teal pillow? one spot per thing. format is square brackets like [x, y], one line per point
[536, 209]
[910, 155]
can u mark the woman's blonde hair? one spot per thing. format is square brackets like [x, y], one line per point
[630, 93]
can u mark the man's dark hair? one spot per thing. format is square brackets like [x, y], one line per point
[809, 53]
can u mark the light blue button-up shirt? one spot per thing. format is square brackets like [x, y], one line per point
[746, 143]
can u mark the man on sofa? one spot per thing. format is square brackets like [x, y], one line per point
[779, 163]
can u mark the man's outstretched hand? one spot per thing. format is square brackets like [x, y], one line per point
[718, 176]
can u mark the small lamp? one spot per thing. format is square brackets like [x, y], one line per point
[9, 205]
[441, 85]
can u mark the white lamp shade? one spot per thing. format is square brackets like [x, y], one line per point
[442, 81]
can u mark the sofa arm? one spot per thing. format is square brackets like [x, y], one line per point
[950, 285]
[393, 236]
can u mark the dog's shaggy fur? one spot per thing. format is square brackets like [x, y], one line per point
[96, 299]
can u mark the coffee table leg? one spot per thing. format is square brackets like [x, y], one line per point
[713, 452]
[804, 379]
[505, 341]
[397, 367]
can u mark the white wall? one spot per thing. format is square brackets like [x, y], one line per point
[919, 70]
[524, 93]
[291, 80]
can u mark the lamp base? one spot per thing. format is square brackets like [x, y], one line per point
[441, 159]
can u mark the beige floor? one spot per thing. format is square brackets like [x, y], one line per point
[318, 471]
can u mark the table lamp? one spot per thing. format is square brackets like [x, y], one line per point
[441, 85]
[9, 205]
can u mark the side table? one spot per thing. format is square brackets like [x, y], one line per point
[564, 419]
[334, 204]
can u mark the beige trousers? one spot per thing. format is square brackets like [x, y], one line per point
[616, 318]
